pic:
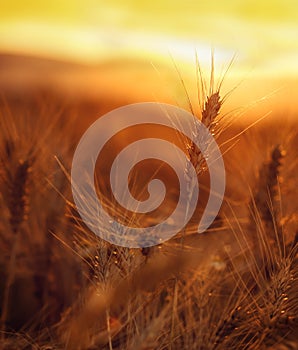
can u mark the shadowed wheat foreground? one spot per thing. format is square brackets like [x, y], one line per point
[232, 287]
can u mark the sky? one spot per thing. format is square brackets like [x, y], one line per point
[261, 34]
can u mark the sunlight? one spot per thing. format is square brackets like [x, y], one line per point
[261, 35]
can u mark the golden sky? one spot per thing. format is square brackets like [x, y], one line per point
[262, 34]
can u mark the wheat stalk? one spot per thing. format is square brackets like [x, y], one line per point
[17, 205]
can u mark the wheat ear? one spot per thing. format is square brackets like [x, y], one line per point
[17, 205]
[266, 199]
[210, 112]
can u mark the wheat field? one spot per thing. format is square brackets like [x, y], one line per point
[233, 287]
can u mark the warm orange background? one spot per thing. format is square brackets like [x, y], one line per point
[133, 36]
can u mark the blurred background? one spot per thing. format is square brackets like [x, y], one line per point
[64, 61]
[127, 50]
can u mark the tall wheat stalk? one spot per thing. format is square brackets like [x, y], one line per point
[17, 182]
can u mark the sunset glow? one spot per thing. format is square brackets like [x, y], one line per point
[262, 35]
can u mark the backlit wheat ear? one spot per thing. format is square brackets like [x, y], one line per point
[210, 112]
